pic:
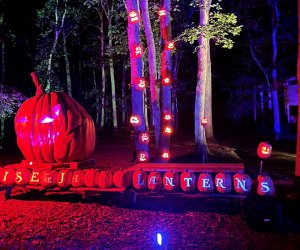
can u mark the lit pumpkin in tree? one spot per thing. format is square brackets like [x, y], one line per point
[139, 179]
[265, 186]
[264, 150]
[223, 182]
[105, 179]
[188, 181]
[122, 179]
[155, 181]
[205, 183]
[242, 183]
[22, 176]
[54, 128]
[171, 181]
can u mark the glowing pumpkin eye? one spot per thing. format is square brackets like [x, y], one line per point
[46, 120]
[56, 109]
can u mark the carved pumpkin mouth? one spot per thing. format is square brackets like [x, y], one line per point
[265, 150]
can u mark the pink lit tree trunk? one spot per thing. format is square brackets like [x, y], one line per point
[165, 29]
[152, 70]
[136, 63]
[297, 169]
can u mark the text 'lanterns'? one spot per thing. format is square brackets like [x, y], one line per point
[169, 46]
[204, 121]
[137, 51]
[133, 17]
[135, 120]
[144, 138]
[264, 150]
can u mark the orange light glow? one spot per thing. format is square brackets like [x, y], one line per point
[169, 46]
[135, 120]
[168, 130]
[143, 156]
[166, 81]
[144, 138]
[133, 17]
[165, 155]
[167, 117]
[204, 121]
[162, 12]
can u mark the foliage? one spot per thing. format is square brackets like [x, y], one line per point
[10, 100]
[220, 28]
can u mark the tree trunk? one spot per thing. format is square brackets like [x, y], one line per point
[209, 132]
[112, 76]
[297, 167]
[103, 76]
[97, 98]
[123, 93]
[276, 113]
[152, 70]
[136, 72]
[68, 71]
[200, 139]
[3, 70]
[166, 69]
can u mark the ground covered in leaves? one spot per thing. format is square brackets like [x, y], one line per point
[51, 221]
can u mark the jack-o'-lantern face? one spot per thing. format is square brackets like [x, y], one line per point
[264, 150]
[54, 128]
[135, 120]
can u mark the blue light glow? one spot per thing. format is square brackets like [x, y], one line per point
[159, 239]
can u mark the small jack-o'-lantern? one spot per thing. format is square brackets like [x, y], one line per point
[135, 120]
[144, 138]
[142, 156]
[265, 186]
[64, 178]
[137, 51]
[154, 181]
[78, 178]
[223, 182]
[242, 183]
[22, 176]
[48, 178]
[91, 177]
[205, 183]
[35, 177]
[133, 17]
[264, 150]
[122, 179]
[171, 181]
[54, 128]
[8, 177]
[105, 179]
[188, 181]
[139, 179]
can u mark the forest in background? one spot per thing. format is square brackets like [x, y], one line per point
[237, 79]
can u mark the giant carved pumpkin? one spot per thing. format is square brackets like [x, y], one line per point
[54, 128]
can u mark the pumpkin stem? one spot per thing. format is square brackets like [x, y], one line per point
[38, 85]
